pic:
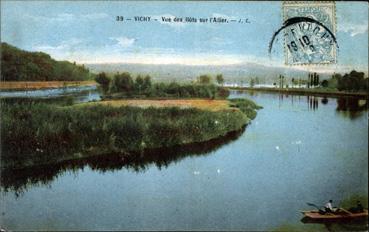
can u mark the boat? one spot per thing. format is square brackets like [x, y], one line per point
[341, 215]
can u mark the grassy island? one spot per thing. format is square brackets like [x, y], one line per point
[39, 133]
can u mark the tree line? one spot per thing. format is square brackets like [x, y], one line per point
[124, 83]
[19, 65]
[353, 81]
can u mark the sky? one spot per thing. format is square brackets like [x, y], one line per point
[87, 32]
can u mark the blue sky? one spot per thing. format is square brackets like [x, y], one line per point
[87, 32]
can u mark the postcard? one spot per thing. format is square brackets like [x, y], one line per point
[184, 115]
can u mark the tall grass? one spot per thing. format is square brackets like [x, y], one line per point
[34, 133]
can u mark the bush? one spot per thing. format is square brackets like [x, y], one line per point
[103, 80]
[123, 84]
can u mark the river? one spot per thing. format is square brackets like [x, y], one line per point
[298, 149]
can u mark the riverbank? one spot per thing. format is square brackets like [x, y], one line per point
[37, 133]
[35, 85]
[304, 91]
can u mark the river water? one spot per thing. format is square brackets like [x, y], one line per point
[79, 93]
[298, 149]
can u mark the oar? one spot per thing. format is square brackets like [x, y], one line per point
[346, 211]
[314, 205]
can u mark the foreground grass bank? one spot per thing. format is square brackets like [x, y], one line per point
[37, 133]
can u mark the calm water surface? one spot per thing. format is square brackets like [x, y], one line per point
[298, 149]
[79, 93]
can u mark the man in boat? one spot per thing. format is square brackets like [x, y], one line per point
[358, 209]
[329, 208]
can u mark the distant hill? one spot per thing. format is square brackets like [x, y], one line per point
[185, 73]
[19, 65]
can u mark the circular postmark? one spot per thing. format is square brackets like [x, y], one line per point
[307, 41]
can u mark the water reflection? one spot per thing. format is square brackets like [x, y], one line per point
[79, 94]
[325, 100]
[52, 92]
[84, 96]
[310, 225]
[19, 180]
[313, 102]
[346, 225]
[351, 107]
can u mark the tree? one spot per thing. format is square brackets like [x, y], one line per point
[220, 79]
[173, 88]
[123, 82]
[103, 80]
[147, 83]
[315, 80]
[19, 65]
[311, 79]
[205, 79]
[257, 81]
[357, 80]
[333, 82]
[139, 84]
[281, 81]
[252, 82]
[324, 83]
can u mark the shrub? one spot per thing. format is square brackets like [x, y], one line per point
[103, 80]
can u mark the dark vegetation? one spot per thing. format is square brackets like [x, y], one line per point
[19, 179]
[123, 85]
[36, 133]
[353, 81]
[19, 65]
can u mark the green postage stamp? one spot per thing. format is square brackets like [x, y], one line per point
[310, 37]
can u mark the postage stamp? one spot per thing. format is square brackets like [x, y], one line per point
[309, 33]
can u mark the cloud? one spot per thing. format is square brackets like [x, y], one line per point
[63, 51]
[124, 41]
[217, 41]
[74, 50]
[67, 44]
[158, 56]
[66, 17]
[327, 69]
[94, 16]
[353, 29]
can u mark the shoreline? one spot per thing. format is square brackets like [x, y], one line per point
[38, 85]
[299, 91]
[126, 155]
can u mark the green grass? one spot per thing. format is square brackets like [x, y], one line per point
[39, 133]
[248, 107]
